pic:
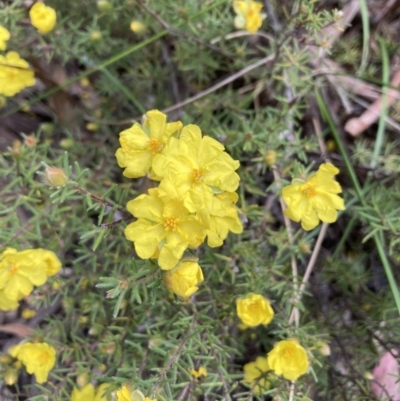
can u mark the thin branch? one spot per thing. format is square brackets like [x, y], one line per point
[101, 201]
[288, 225]
[309, 270]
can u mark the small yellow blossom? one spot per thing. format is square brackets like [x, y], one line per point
[4, 36]
[141, 143]
[21, 271]
[184, 278]
[256, 372]
[315, 199]
[43, 18]
[254, 310]
[201, 371]
[248, 16]
[15, 74]
[28, 313]
[84, 394]
[38, 358]
[137, 27]
[88, 393]
[125, 394]
[288, 358]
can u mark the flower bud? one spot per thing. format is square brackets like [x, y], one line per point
[104, 6]
[95, 36]
[55, 177]
[324, 348]
[270, 158]
[28, 313]
[10, 377]
[5, 359]
[66, 143]
[82, 380]
[137, 27]
[30, 141]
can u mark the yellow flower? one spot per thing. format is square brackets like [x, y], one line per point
[38, 358]
[125, 394]
[28, 313]
[88, 393]
[20, 271]
[288, 358]
[183, 280]
[43, 18]
[315, 199]
[15, 74]
[139, 144]
[199, 373]
[248, 15]
[4, 36]
[254, 310]
[256, 372]
[223, 218]
[85, 394]
[137, 27]
[198, 165]
[164, 229]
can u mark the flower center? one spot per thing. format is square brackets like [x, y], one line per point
[288, 353]
[13, 270]
[44, 357]
[253, 307]
[170, 224]
[197, 174]
[155, 145]
[309, 188]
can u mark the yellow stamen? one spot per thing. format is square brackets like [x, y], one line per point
[170, 224]
[155, 145]
[13, 270]
[197, 174]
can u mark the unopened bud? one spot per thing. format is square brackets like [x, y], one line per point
[5, 359]
[47, 128]
[270, 158]
[16, 148]
[104, 6]
[10, 377]
[95, 36]
[92, 127]
[28, 313]
[66, 143]
[137, 27]
[324, 349]
[82, 380]
[30, 141]
[55, 177]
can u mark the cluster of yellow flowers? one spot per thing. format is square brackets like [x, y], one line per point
[38, 358]
[21, 271]
[248, 15]
[15, 74]
[195, 198]
[288, 358]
